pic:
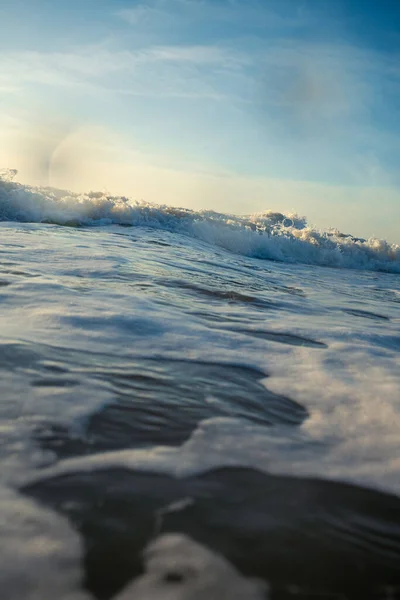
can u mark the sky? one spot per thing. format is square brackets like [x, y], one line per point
[234, 105]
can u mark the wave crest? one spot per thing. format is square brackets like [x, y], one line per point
[269, 235]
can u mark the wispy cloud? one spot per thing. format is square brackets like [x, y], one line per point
[197, 70]
[260, 14]
[207, 55]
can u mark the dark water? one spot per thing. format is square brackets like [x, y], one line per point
[304, 536]
[307, 537]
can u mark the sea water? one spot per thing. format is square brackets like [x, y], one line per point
[234, 380]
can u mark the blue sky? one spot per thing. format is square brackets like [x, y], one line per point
[236, 105]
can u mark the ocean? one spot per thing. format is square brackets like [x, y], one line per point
[193, 404]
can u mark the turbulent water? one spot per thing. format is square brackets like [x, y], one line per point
[234, 380]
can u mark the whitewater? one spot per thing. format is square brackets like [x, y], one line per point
[194, 404]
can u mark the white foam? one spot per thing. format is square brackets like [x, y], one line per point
[40, 555]
[268, 235]
[178, 568]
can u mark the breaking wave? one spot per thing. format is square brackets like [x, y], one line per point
[269, 235]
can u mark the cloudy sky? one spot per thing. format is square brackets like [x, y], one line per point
[236, 105]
